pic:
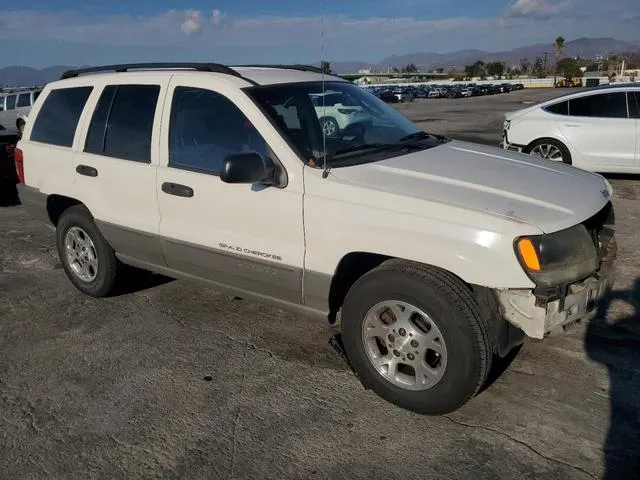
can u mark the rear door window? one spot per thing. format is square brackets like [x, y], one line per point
[58, 118]
[602, 105]
[122, 124]
[24, 100]
[11, 102]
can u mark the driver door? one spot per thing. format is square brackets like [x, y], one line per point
[248, 238]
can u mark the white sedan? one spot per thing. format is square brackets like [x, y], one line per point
[596, 129]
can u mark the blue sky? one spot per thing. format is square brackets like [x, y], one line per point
[71, 32]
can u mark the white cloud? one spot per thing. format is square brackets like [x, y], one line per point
[194, 23]
[540, 9]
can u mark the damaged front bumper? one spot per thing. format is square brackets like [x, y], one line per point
[539, 318]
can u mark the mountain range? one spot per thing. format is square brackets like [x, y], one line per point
[582, 47]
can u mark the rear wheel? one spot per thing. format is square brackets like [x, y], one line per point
[330, 127]
[88, 260]
[415, 336]
[550, 149]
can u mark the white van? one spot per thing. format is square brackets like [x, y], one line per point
[15, 107]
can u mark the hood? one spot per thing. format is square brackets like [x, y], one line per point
[550, 196]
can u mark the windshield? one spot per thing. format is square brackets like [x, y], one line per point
[340, 120]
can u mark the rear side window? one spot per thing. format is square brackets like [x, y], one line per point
[122, 123]
[602, 105]
[36, 95]
[57, 120]
[205, 128]
[11, 102]
[561, 108]
[634, 104]
[24, 100]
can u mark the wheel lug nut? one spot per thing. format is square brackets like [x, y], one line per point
[410, 356]
[402, 332]
[391, 338]
[396, 353]
[411, 334]
[414, 343]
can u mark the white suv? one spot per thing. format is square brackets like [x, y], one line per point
[433, 255]
[596, 129]
[15, 108]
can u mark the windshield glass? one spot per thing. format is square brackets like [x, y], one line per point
[341, 120]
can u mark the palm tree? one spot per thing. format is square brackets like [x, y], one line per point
[559, 46]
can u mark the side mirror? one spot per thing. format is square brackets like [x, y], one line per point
[248, 168]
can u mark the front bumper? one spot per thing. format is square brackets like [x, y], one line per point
[539, 319]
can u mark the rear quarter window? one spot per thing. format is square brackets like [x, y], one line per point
[24, 100]
[11, 102]
[58, 117]
[560, 108]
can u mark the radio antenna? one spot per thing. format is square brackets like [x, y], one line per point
[325, 170]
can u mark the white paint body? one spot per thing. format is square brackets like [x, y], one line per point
[458, 206]
[595, 144]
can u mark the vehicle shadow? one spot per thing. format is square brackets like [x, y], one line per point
[616, 345]
[133, 280]
[9, 196]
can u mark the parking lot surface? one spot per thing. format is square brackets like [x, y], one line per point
[172, 380]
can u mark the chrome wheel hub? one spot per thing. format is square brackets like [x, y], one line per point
[329, 128]
[404, 345]
[550, 152]
[81, 254]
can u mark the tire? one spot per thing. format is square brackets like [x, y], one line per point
[446, 304]
[20, 125]
[99, 266]
[549, 146]
[330, 127]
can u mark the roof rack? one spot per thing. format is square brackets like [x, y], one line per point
[125, 67]
[303, 68]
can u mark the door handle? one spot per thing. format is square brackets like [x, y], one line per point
[177, 189]
[87, 170]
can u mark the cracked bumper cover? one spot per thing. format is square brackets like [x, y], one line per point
[539, 319]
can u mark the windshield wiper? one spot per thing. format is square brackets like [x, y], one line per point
[370, 146]
[415, 136]
[420, 135]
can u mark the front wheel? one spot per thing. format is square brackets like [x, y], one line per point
[550, 149]
[415, 336]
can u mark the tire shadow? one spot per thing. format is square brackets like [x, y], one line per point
[499, 366]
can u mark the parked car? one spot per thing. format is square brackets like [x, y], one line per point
[387, 96]
[595, 129]
[16, 107]
[337, 111]
[434, 255]
[403, 95]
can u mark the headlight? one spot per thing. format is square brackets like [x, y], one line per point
[558, 258]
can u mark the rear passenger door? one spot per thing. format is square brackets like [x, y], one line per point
[115, 166]
[247, 237]
[599, 128]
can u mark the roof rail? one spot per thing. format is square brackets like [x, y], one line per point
[125, 67]
[303, 68]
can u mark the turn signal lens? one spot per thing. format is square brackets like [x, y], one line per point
[529, 255]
